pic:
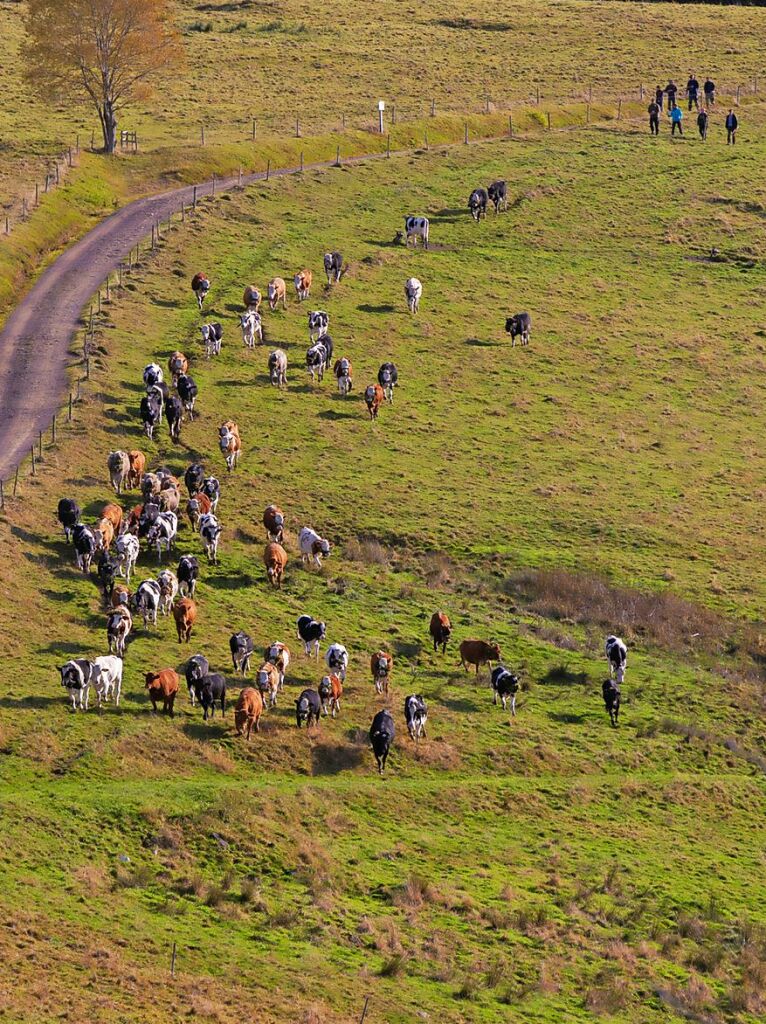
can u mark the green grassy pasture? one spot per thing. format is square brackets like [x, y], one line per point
[544, 869]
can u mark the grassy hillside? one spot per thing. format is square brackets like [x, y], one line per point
[543, 869]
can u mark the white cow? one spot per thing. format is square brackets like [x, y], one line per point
[413, 289]
[252, 327]
[107, 678]
[313, 547]
[128, 548]
[168, 590]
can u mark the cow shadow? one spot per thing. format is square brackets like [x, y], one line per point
[33, 701]
[124, 429]
[390, 243]
[130, 386]
[240, 384]
[214, 729]
[459, 704]
[166, 303]
[409, 649]
[384, 307]
[62, 596]
[62, 647]
[562, 675]
[234, 307]
[330, 759]
[335, 414]
[567, 717]
[478, 343]
[448, 215]
[231, 581]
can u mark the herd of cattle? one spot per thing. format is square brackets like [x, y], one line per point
[114, 541]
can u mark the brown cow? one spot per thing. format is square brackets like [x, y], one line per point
[440, 630]
[184, 612]
[113, 513]
[277, 293]
[198, 505]
[229, 442]
[170, 499]
[177, 364]
[252, 298]
[137, 462]
[162, 685]
[134, 517]
[478, 653]
[275, 560]
[302, 282]
[105, 528]
[374, 396]
[120, 596]
[381, 664]
[330, 692]
[267, 681]
[248, 711]
[274, 521]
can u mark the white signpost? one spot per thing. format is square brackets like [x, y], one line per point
[381, 108]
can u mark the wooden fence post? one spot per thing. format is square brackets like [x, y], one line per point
[53, 429]
[107, 288]
[194, 198]
[465, 135]
[58, 179]
[433, 108]
[202, 134]
[738, 89]
[92, 139]
[70, 406]
[213, 184]
[268, 169]
[301, 160]
[343, 121]
[183, 214]
[254, 129]
[549, 120]
[70, 156]
[538, 93]
[393, 113]
[426, 142]
[33, 460]
[388, 148]
[2, 495]
[173, 962]
[41, 445]
[239, 177]
[77, 144]
[99, 300]
[7, 226]
[37, 191]
[337, 157]
[486, 104]
[510, 126]
[15, 481]
[641, 91]
[297, 127]
[587, 114]
[24, 210]
[619, 109]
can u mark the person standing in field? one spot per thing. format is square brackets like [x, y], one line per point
[654, 117]
[676, 116]
[702, 124]
[671, 89]
[659, 96]
[731, 128]
[692, 91]
[709, 90]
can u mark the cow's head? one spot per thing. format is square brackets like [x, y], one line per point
[495, 649]
[510, 324]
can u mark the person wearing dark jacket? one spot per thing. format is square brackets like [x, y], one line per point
[654, 117]
[731, 128]
[692, 91]
[671, 89]
[659, 96]
[702, 124]
[709, 90]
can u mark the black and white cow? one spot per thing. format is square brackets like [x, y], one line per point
[611, 692]
[519, 325]
[308, 707]
[477, 203]
[153, 375]
[187, 392]
[193, 477]
[498, 194]
[210, 533]
[416, 716]
[415, 228]
[212, 335]
[388, 378]
[333, 266]
[382, 733]
[316, 360]
[119, 623]
[197, 667]
[85, 546]
[150, 513]
[504, 685]
[68, 514]
[241, 647]
[311, 633]
[174, 414]
[212, 488]
[128, 550]
[252, 328]
[76, 677]
[147, 601]
[151, 413]
[336, 659]
[617, 656]
[187, 574]
[319, 323]
[163, 533]
[211, 689]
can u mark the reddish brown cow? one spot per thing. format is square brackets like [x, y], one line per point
[198, 505]
[302, 282]
[185, 613]
[162, 685]
[105, 528]
[381, 664]
[247, 713]
[441, 630]
[274, 521]
[478, 653]
[137, 462]
[133, 519]
[275, 560]
[252, 298]
[374, 396]
[120, 596]
[113, 513]
[177, 364]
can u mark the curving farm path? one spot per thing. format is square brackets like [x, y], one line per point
[34, 344]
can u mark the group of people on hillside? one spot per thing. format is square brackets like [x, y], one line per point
[676, 114]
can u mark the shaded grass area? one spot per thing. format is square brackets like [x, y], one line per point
[542, 869]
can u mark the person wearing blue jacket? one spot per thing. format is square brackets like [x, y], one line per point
[676, 116]
[731, 128]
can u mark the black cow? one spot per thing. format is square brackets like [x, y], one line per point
[241, 647]
[519, 325]
[151, 413]
[311, 632]
[388, 378]
[504, 685]
[307, 707]
[382, 736]
[194, 477]
[150, 513]
[498, 194]
[197, 667]
[477, 203]
[211, 689]
[187, 574]
[85, 546]
[611, 692]
[174, 414]
[416, 716]
[187, 392]
[68, 515]
[333, 266]
[108, 570]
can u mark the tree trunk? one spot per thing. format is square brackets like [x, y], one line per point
[109, 127]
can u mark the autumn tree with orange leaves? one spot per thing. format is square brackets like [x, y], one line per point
[107, 51]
